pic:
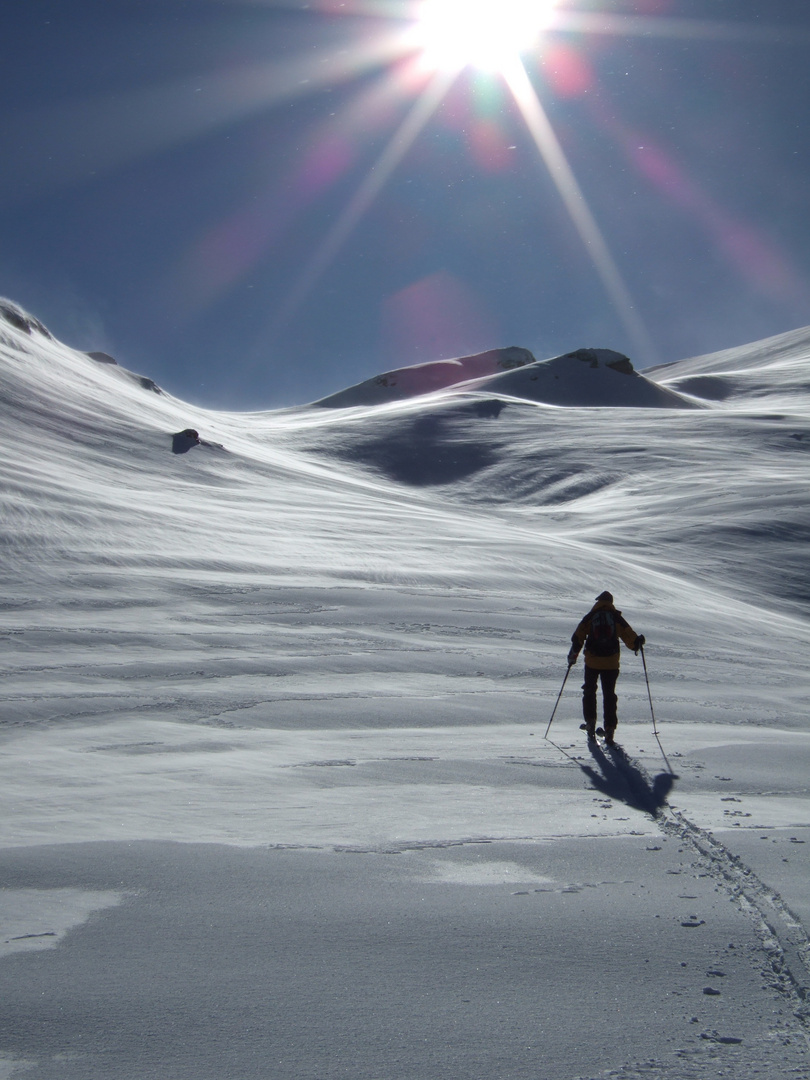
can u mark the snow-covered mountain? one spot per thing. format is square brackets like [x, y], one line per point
[343, 627]
[514, 372]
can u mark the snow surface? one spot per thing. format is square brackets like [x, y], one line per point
[276, 797]
[514, 372]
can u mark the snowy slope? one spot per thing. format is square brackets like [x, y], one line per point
[700, 514]
[717, 496]
[774, 369]
[343, 629]
[423, 378]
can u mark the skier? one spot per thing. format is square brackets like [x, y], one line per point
[600, 631]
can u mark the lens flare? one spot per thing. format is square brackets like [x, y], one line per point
[441, 38]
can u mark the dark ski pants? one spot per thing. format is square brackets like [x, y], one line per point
[609, 699]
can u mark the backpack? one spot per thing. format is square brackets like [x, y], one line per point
[603, 638]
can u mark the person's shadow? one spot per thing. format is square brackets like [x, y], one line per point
[623, 780]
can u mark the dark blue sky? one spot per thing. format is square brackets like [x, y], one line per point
[174, 173]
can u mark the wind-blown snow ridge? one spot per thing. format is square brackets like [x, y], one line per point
[20, 319]
[764, 369]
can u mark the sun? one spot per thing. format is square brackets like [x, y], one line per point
[486, 34]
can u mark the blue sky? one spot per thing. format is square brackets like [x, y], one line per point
[258, 203]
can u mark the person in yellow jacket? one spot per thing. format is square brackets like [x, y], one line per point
[600, 632]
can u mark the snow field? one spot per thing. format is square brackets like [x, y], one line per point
[272, 724]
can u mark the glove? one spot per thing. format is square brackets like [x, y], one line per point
[638, 643]
[572, 656]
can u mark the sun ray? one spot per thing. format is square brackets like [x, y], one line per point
[572, 195]
[229, 249]
[582, 22]
[379, 174]
[98, 135]
[442, 37]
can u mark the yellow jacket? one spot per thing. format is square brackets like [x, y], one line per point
[623, 629]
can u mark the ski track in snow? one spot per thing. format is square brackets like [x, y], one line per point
[784, 942]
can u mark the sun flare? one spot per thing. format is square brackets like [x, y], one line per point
[480, 33]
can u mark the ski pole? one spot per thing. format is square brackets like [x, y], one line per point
[652, 710]
[557, 702]
[649, 695]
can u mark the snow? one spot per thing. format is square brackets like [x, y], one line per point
[276, 799]
[610, 380]
[423, 378]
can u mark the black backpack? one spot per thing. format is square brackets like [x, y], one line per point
[603, 638]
